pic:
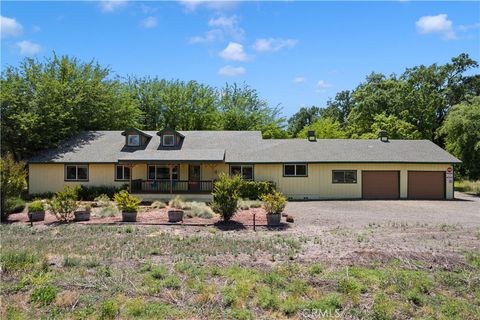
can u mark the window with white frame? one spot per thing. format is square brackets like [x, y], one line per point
[122, 172]
[344, 176]
[162, 172]
[245, 171]
[76, 172]
[168, 140]
[295, 170]
[133, 140]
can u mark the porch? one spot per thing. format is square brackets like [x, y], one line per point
[165, 186]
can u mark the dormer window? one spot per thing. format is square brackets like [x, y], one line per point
[133, 140]
[168, 140]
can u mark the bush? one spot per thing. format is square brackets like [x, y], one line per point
[64, 203]
[13, 181]
[158, 205]
[126, 201]
[14, 205]
[44, 195]
[109, 310]
[225, 195]
[199, 209]
[102, 200]
[89, 193]
[274, 202]
[177, 202]
[254, 190]
[36, 206]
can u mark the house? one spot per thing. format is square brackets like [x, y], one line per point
[159, 164]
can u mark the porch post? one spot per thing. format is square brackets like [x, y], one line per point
[130, 166]
[170, 168]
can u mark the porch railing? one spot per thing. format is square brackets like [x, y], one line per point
[173, 186]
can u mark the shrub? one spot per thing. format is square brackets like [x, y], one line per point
[14, 205]
[36, 206]
[105, 212]
[274, 203]
[177, 202]
[254, 190]
[199, 209]
[109, 309]
[102, 200]
[126, 201]
[13, 181]
[225, 195]
[89, 193]
[64, 203]
[44, 295]
[44, 195]
[158, 205]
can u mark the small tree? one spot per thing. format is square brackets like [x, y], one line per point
[64, 203]
[226, 195]
[13, 181]
[126, 201]
[274, 202]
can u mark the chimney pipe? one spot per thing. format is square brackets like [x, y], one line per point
[383, 135]
[311, 135]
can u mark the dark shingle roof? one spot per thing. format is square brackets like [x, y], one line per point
[243, 147]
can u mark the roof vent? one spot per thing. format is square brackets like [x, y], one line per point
[311, 135]
[383, 135]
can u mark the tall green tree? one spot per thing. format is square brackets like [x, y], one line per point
[325, 128]
[339, 107]
[43, 103]
[13, 181]
[303, 117]
[461, 130]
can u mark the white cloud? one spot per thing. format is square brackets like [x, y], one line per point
[224, 27]
[149, 22]
[9, 27]
[230, 71]
[192, 5]
[322, 85]
[234, 52]
[28, 48]
[112, 5]
[466, 27]
[273, 44]
[436, 24]
[36, 29]
[299, 79]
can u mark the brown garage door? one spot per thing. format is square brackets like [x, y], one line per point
[380, 185]
[426, 185]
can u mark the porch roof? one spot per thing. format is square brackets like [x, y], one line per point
[192, 155]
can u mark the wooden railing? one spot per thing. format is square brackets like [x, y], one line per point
[171, 186]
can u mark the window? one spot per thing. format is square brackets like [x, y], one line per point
[122, 173]
[76, 172]
[162, 172]
[344, 176]
[245, 171]
[168, 140]
[133, 140]
[295, 170]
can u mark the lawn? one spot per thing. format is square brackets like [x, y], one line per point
[146, 272]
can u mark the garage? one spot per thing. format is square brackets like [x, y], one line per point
[380, 184]
[426, 185]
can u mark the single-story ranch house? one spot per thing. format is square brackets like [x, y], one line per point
[159, 164]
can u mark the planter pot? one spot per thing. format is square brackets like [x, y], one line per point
[273, 219]
[82, 215]
[129, 216]
[36, 216]
[175, 215]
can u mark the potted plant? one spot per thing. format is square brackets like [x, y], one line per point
[83, 213]
[128, 204]
[36, 211]
[274, 203]
[175, 210]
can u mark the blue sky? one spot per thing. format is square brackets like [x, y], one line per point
[294, 53]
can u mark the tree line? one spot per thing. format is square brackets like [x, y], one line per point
[45, 102]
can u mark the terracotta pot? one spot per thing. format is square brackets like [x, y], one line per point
[273, 219]
[129, 216]
[36, 216]
[175, 215]
[82, 215]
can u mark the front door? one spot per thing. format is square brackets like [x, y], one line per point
[194, 177]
